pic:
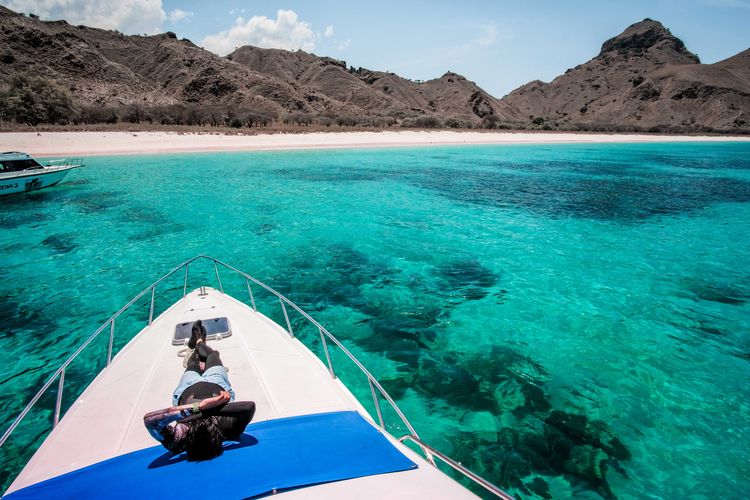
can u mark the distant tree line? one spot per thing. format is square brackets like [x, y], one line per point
[175, 114]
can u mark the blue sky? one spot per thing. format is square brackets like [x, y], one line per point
[498, 44]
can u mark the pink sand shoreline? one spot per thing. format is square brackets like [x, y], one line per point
[56, 144]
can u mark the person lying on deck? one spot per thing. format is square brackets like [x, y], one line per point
[202, 417]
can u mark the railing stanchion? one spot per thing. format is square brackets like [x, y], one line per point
[151, 310]
[252, 299]
[111, 340]
[328, 355]
[58, 403]
[377, 403]
[184, 285]
[216, 268]
[286, 317]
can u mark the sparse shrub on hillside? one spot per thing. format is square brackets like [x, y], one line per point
[132, 114]
[258, 119]
[170, 115]
[298, 118]
[429, 122]
[490, 121]
[422, 122]
[408, 123]
[35, 100]
[346, 121]
[98, 114]
[383, 121]
[194, 115]
[454, 123]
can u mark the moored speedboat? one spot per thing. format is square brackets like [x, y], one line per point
[20, 173]
[310, 438]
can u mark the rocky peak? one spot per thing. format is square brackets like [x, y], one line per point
[7, 12]
[648, 36]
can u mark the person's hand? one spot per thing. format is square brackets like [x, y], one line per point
[215, 401]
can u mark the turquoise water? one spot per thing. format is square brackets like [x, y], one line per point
[565, 320]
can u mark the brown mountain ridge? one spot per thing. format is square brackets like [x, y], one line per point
[643, 79]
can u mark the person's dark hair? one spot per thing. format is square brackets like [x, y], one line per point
[204, 439]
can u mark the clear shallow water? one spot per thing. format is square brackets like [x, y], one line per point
[566, 320]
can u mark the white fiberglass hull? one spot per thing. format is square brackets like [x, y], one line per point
[32, 180]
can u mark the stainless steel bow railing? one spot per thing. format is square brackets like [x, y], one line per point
[59, 374]
[63, 163]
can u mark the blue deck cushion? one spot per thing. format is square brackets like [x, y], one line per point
[277, 454]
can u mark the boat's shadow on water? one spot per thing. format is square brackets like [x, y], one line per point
[170, 458]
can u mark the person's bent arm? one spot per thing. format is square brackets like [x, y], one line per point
[157, 421]
[234, 417]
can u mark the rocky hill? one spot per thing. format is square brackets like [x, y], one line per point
[329, 80]
[642, 79]
[106, 68]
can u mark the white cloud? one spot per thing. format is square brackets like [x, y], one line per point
[284, 32]
[488, 35]
[343, 45]
[128, 16]
[328, 33]
[178, 15]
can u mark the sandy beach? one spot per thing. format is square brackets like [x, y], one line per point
[57, 144]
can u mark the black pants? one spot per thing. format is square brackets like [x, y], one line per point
[203, 352]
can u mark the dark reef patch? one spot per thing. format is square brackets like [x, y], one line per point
[93, 202]
[60, 243]
[544, 440]
[718, 292]
[19, 317]
[331, 174]
[583, 431]
[602, 189]
[439, 378]
[11, 219]
[703, 161]
[152, 223]
[538, 487]
[624, 198]
[157, 231]
[332, 275]
[466, 279]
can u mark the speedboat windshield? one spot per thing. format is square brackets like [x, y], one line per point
[18, 165]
